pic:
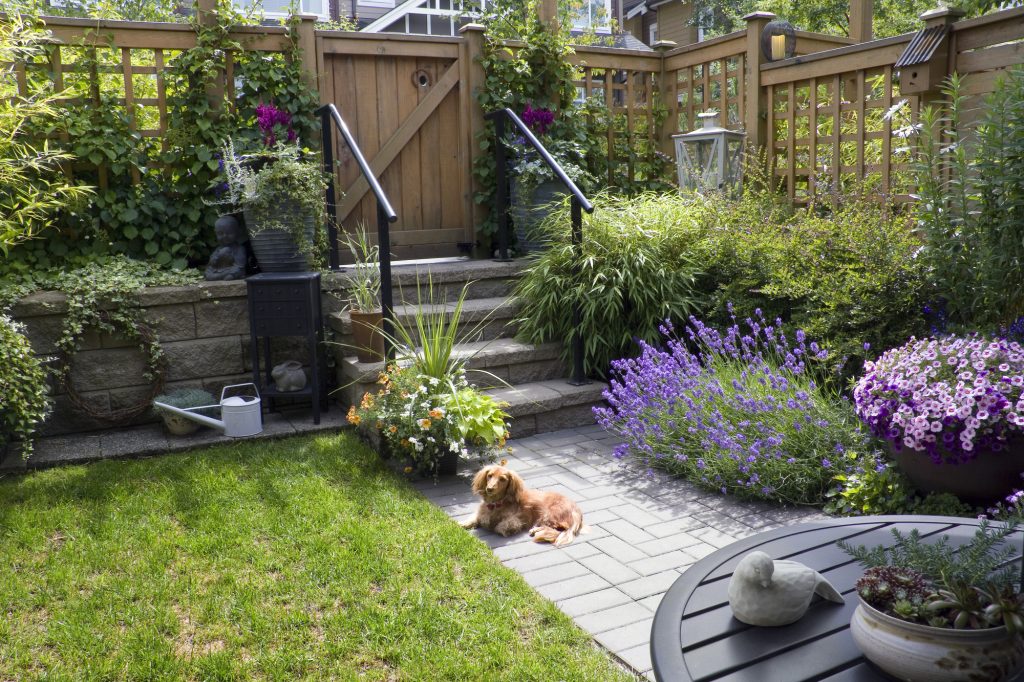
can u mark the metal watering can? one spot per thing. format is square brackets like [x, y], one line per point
[240, 414]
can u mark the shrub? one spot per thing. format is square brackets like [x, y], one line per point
[739, 413]
[637, 268]
[23, 401]
[848, 278]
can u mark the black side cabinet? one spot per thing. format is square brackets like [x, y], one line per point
[287, 304]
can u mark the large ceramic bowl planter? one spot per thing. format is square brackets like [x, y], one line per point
[983, 479]
[921, 653]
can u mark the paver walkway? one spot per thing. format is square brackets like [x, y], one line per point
[646, 529]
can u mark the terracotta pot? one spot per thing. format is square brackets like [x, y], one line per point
[366, 335]
[909, 651]
[985, 478]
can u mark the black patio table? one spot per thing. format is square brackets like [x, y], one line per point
[695, 637]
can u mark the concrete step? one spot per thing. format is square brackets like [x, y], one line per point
[543, 406]
[484, 278]
[500, 360]
[482, 319]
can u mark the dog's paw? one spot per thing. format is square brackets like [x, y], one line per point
[470, 524]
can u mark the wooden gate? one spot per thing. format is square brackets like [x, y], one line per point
[400, 96]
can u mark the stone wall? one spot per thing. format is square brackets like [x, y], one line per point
[203, 329]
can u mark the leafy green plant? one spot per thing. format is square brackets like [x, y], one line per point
[23, 390]
[33, 187]
[480, 419]
[971, 205]
[184, 398]
[971, 586]
[364, 278]
[636, 270]
[266, 184]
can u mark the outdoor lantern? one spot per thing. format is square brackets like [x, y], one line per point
[778, 40]
[709, 158]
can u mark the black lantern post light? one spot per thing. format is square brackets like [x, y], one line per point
[778, 41]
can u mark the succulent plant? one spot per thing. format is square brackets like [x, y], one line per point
[899, 592]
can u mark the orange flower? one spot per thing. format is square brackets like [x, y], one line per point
[504, 462]
[380, 425]
[407, 470]
[352, 417]
[436, 413]
[424, 423]
[383, 378]
[367, 401]
[392, 429]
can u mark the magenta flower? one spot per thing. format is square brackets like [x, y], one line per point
[272, 122]
[539, 120]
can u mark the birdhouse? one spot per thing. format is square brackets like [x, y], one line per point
[709, 158]
[923, 64]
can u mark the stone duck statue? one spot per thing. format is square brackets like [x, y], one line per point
[772, 593]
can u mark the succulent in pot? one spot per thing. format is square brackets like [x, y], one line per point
[932, 611]
[280, 190]
[952, 410]
[183, 398]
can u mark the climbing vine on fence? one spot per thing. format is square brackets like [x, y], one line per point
[152, 195]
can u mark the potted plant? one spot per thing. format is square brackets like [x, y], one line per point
[534, 186]
[183, 399]
[952, 411]
[426, 411]
[431, 423]
[941, 613]
[280, 191]
[364, 297]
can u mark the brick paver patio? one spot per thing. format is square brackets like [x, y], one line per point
[646, 529]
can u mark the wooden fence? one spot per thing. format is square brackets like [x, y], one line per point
[831, 117]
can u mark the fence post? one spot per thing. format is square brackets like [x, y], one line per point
[472, 79]
[206, 13]
[861, 13]
[307, 46]
[548, 11]
[668, 126]
[757, 104]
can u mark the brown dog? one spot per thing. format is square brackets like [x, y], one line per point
[510, 508]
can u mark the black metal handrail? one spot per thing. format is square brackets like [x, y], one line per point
[578, 203]
[386, 215]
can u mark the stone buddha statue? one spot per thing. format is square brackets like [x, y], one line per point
[228, 260]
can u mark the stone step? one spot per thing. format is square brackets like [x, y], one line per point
[543, 406]
[482, 319]
[497, 361]
[484, 279]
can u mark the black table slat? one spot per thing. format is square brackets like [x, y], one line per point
[752, 644]
[785, 547]
[815, 659]
[862, 672]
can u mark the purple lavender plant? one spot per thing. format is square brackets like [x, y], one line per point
[274, 122]
[948, 398]
[737, 412]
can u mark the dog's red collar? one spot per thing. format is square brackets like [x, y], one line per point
[494, 505]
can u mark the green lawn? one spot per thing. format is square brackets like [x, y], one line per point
[291, 559]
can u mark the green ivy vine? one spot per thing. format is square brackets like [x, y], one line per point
[152, 198]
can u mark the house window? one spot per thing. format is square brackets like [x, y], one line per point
[652, 34]
[596, 15]
[278, 9]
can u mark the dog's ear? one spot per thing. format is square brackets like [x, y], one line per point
[480, 481]
[516, 485]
